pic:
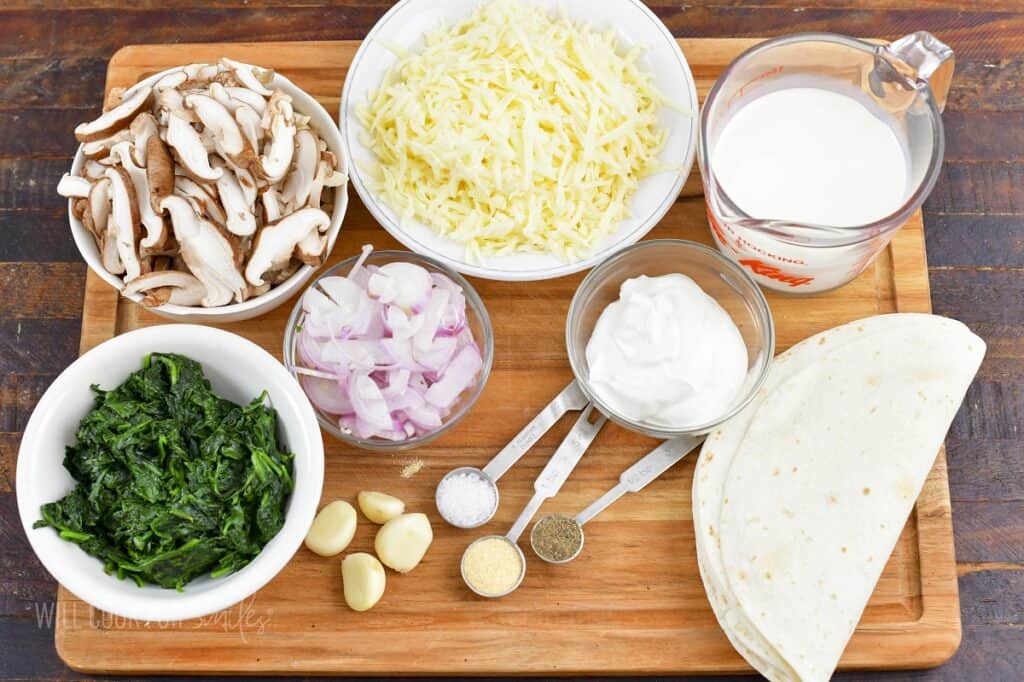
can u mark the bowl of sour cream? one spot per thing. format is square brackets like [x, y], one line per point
[669, 338]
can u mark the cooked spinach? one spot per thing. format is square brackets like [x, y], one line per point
[173, 481]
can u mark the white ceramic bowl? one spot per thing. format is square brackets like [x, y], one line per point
[404, 26]
[239, 370]
[320, 121]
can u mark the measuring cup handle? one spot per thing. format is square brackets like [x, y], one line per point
[931, 60]
[571, 398]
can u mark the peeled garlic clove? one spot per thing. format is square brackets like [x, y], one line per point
[402, 541]
[332, 529]
[380, 507]
[363, 579]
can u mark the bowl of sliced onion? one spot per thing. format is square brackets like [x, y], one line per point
[393, 349]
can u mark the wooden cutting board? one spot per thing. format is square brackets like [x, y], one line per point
[633, 603]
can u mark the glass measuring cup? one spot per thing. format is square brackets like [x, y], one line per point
[904, 84]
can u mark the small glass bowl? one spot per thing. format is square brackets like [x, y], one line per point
[476, 316]
[719, 277]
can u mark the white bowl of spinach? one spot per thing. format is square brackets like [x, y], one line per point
[170, 472]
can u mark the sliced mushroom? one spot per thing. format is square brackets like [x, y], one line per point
[94, 169]
[142, 129]
[124, 219]
[274, 243]
[159, 171]
[205, 200]
[156, 230]
[167, 286]
[222, 125]
[218, 92]
[312, 249]
[285, 273]
[326, 176]
[100, 148]
[95, 218]
[278, 118]
[246, 76]
[171, 102]
[172, 80]
[247, 96]
[248, 185]
[184, 139]
[260, 290]
[249, 123]
[209, 253]
[271, 206]
[240, 219]
[115, 119]
[79, 207]
[73, 186]
[300, 180]
[192, 70]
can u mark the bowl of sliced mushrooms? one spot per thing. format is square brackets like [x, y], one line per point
[208, 191]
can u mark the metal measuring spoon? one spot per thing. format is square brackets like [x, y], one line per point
[632, 480]
[547, 485]
[571, 398]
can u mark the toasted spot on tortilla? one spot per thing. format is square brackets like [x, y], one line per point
[867, 491]
[821, 341]
[844, 550]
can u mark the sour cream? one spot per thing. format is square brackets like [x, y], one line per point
[666, 354]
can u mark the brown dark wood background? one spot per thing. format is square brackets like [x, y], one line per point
[53, 56]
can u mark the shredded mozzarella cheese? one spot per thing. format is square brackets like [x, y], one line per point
[515, 132]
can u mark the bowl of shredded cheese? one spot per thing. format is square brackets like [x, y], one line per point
[519, 139]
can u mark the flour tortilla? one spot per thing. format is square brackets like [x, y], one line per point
[709, 482]
[772, 608]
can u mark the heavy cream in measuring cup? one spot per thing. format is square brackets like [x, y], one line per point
[666, 353]
[811, 155]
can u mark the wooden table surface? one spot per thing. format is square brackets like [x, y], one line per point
[53, 56]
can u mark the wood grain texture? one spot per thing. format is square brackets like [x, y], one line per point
[52, 59]
[620, 607]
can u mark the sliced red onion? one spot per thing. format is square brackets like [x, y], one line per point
[368, 402]
[431, 318]
[398, 383]
[437, 357]
[330, 396]
[387, 350]
[459, 376]
[401, 325]
[407, 285]
[425, 417]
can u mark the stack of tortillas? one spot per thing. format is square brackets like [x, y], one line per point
[799, 500]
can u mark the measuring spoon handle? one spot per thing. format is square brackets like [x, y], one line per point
[571, 398]
[558, 468]
[569, 452]
[644, 470]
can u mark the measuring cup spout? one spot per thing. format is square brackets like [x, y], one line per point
[920, 59]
